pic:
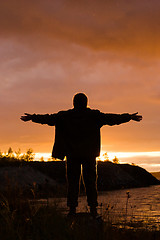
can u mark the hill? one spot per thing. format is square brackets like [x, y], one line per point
[50, 177]
[118, 176]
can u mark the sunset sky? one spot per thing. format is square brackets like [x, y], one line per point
[110, 50]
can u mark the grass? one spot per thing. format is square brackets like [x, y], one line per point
[22, 219]
[28, 221]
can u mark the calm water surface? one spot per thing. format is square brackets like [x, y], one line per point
[142, 205]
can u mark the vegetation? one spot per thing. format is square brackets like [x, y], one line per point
[11, 156]
[22, 219]
[115, 160]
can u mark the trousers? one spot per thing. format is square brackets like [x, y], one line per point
[89, 171]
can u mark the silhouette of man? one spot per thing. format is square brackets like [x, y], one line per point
[77, 136]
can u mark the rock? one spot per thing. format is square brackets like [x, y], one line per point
[23, 178]
[117, 176]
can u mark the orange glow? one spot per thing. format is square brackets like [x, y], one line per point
[50, 50]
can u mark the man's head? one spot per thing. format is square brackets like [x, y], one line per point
[80, 101]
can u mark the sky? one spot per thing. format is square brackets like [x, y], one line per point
[50, 50]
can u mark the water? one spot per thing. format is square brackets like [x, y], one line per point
[140, 206]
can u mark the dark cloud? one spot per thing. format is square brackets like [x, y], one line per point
[128, 26]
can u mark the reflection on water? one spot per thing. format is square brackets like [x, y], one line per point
[143, 206]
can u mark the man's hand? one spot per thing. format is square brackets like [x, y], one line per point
[136, 117]
[27, 117]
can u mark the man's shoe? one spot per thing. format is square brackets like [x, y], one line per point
[72, 212]
[93, 212]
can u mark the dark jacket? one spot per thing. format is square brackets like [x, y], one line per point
[77, 132]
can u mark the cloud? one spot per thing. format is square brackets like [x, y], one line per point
[67, 69]
[52, 49]
[117, 26]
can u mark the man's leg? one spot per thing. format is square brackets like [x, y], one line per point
[73, 178]
[90, 180]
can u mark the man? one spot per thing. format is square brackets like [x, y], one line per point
[77, 136]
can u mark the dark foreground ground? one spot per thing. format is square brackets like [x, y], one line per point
[21, 219]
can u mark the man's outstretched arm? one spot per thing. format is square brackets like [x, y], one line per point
[49, 119]
[27, 117]
[136, 117]
[116, 119]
